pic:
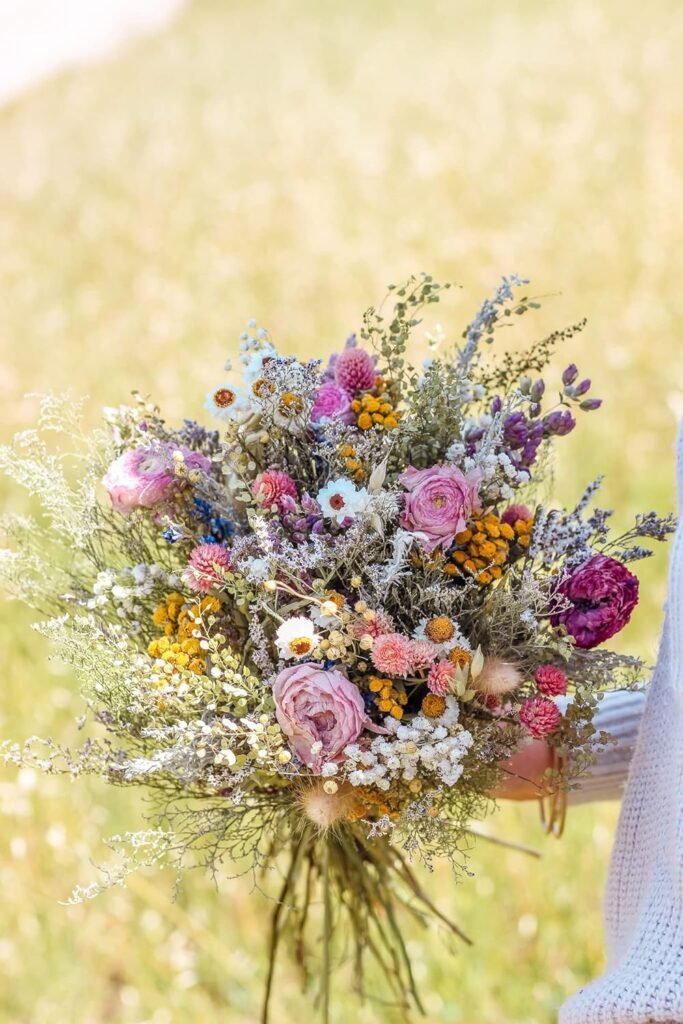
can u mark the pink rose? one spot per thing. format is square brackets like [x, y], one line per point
[332, 402]
[144, 477]
[317, 706]
[439, 502]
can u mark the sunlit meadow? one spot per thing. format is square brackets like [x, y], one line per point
[286, 161]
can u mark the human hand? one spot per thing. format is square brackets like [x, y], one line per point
[524, 773]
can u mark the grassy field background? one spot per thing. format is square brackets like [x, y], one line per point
[285, 161]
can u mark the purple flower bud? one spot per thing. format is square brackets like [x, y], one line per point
[570, 374]
[559, 423]
[515, 430]
[317, 526]
[475, 434]
[538, 390]
[496, 405]
[582, 388]
[287, 503]
[589, 404]
[310, 505]
[534, 409]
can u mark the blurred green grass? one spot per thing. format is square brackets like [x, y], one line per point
[285, 161]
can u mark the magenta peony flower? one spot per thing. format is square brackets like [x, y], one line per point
[206, 566]
[318, 707]
[393, 654]
[440, 678]
[354, 370]
[539, 716]
[145, 477]
[273, 487]
[438, 504]
[550, 680]
[332, 403]
[602, 594]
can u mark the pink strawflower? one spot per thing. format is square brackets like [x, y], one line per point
[382, 623]
[332, 403]
[320, 713]
[206, 566]
[424, 654]
[392, 654]
[438, 503]
[550, 680]
[515, 512]
[354, 370]
[441, 676]
[145, 477]
[273, 487]
[539, 716]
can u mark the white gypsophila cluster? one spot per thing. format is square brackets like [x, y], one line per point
[432, 745]
[127, 590]
[455, 453]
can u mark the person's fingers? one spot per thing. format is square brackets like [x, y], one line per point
[524, 772]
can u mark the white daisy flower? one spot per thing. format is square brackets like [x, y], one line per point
[254, 358]
[442, 632]
[296, 638]
[340, 500]
[226, 401]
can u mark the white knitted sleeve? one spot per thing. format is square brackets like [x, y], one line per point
[619, 713]
[643, 983]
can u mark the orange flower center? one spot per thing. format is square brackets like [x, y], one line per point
[301, 645]
[224, 398]
[440, 629]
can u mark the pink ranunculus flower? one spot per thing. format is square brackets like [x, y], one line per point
[206, 567]
[315, 706]
[332, 402]
[145, 477]
[439, 502]
[601, 595]
[273, 487]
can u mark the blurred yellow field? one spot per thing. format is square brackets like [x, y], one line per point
[286, 161]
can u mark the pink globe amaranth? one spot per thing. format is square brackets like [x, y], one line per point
[539, 716]
[273, 487]
[354, 370]
[601, 595]
[206, 566]
[332, 402]
[438, 503]
[145, 477]
[318, 706]
[550, 680]
[513, 513]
